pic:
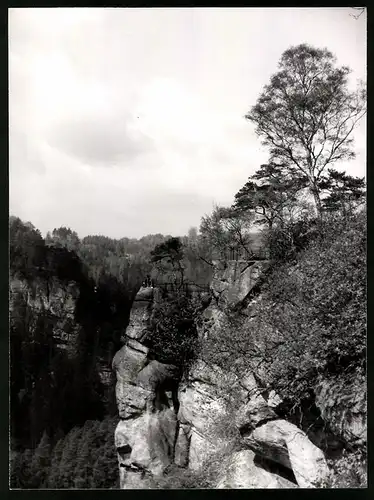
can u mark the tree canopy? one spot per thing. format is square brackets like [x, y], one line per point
[307, 113]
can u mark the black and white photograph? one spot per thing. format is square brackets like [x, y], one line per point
[187, 248]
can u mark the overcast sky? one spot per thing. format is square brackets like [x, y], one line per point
[126, 122]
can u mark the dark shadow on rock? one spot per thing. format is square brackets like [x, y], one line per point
[274, 468]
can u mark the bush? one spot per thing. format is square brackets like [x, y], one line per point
[349, 471]
[317, 309]
[206, 477]
[309, 320]
[178, 478]
[173, 337]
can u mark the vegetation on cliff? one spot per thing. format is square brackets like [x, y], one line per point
[306, 324]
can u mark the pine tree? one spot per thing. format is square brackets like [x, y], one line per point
[52, 481]
[83, 458]
[40, 462]
[68, 458]
[16, 469]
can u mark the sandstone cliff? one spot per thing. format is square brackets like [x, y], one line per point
[55, 298]
[191, 422]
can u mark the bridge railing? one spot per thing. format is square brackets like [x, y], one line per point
[242, 254]
[172, 286]
[186, 286]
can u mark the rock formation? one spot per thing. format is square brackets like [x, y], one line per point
[342, 401]
[190, 421]
[146, 393]
[234, 280]
[56, 298]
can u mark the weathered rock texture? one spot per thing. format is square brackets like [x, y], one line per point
[54, 297]
[146, 393]
[141, 312]
[342, 401]
[286, 444]
[212, 418]
[202, 408]
[242, 471]
[234, 280]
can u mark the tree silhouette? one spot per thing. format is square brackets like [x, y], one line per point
[306, 114]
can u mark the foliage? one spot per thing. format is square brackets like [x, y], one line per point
[310, 318]
[63, 237]
[317, 309]
[306, 114]
[168, 256]
[348, 471]
[206, 477]
[227, 231]
[84, 458]
[26, 247]
[287, 241]
[270, 193]
[344, 192]
[173, 337]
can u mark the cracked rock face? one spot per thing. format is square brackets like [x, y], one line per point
[233, 280]
[145, 436]
[342, 401]
[201, 406]
[242, 471]
[189, 423]
[146, 393]
[141, 313]
[56, 297]
[288, 445]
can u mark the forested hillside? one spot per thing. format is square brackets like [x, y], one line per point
[69, 305]
[271, 289]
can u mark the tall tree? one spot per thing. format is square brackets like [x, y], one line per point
[63, 236]
[343, 192]
[170, 254]
[227, 232]
[270, 193]
[307, 113]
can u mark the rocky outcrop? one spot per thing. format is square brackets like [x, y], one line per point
[202, 407]
[146, 393]
[146, 398]
[342, 402]
[141, 312]
[283, 442]
[242, 471]
[209, 417]
[54, 297]
[231, 286]
[212, 418]
[234, 280]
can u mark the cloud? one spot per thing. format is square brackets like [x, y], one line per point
[103, 139]
[157, 95]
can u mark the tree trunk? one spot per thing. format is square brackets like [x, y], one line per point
[317, 201]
